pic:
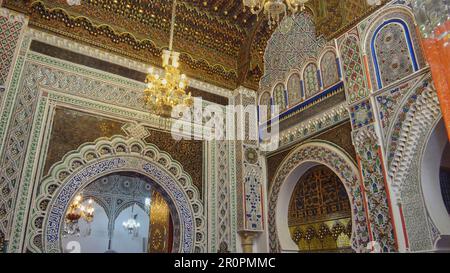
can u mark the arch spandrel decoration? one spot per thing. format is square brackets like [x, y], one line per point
[94, 160]
[325, 153]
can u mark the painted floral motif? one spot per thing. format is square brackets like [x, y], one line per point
[389, 101]
[294, 89]
[253, 198]
[279, 97]
[353, 69]
[380, 220]
[311, 80]
[329, 69]
[391, 49]
[361, 114]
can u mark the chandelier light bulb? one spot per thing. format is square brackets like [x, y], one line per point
[78, 198]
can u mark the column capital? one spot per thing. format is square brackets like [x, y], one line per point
[248, 239]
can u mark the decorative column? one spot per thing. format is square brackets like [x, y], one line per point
[12, 27]
[221, 184]
[248, 240]
[433, 18]
[375, 190]
[367, 141]
[250, 220]
[221, 197]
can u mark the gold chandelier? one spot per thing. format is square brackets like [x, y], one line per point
[77, 210]
[162, 94]
[275, 8]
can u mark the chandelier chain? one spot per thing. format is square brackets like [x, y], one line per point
[172, 26]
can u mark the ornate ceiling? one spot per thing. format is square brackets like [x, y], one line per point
[219, 41]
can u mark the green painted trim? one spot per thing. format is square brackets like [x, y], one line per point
[233, 195]
[213, 201]
[10, 98]
[21, 207]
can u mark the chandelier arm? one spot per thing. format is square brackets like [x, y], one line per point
[292, 7]
[172, 27]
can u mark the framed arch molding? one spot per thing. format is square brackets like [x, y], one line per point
[117, 154]
[307, 155]
[392, 23]
[407, 145]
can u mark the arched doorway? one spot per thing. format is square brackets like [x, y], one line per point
[320, 217]
[293, 167]
[130, 214]
[104, 157]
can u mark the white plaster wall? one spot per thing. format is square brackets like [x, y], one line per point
[97, 241]
[122, 241]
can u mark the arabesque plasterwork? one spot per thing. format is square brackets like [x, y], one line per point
[391, 127]
[48, 73]
[339, 162]
[91, 161]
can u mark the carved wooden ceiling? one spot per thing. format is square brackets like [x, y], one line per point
[219, 41]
